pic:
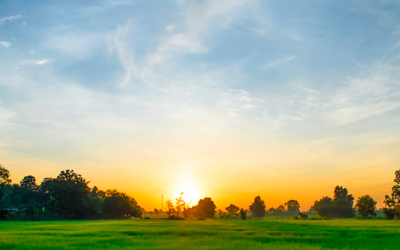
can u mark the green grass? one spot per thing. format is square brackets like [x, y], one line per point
[210, 234]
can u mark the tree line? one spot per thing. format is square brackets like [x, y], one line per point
[68, 196]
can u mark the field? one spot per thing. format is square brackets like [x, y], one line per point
[210, 234]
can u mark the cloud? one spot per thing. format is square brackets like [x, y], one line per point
[277, 62]
[118, 41]
[5, 44]
[362, 97]
[74, 42]
[9, 19]
[200, 19]
[43, 62]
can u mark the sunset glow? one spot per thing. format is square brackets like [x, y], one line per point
[227, 99]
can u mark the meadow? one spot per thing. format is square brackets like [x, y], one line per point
[208, 234]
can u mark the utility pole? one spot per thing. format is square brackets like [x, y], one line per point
[162, 202]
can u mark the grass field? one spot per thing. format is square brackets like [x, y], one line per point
[211, 234]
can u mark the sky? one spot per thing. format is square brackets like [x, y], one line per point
[226, 99]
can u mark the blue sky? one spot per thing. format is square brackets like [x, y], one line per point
[282, 88]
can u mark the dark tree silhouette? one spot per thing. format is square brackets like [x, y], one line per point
[71, 193]
[341, 206]
[303, 215]
[324, 207]
[341, 193]
[366, 205]
[232, 210]
[292, 207]
[119, 205]
[206, 208]
[258, 207]
[29, 183]
[4, 180]
[392, 202]
[243, 214]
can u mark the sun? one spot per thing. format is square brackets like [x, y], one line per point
[191, 193]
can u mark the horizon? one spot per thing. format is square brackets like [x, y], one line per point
[228, 99]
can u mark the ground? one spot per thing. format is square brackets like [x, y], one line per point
[209, 234]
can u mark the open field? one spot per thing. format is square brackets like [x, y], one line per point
[211, 234]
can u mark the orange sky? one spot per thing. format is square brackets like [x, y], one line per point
[228, 99]
[229, 172]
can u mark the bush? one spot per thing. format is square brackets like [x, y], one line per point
[174, 217]
[303, 215]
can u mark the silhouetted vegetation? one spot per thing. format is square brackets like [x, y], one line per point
[68, 196]
[258, 207]
[243, 214]
[291, 207]
[365, 206]
[392, 202]
[341, 206]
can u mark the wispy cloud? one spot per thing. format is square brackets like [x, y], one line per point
[9, 19]
[118, 42]
[199, 20]
[278, 62]
[5, 44]
[43, 62]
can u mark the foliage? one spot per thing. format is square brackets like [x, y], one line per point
[181, 204]
[340, 207]
[292, 207]
[65, 197]
[392, 202]
[258, 207]
[4, 180]
[29, 183]
[280, 210]
[303, 215]
[170, 207]
[243, 214]
[119, 205]
[366, 205]
[71, 194]
[232, 210]
[205, 208]
[324, 207]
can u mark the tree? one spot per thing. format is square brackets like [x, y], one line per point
[341, 206]
[118, 205]
[292, 207]
[4, 180]
[222, 214]
[181, 204]
[303, 216]
[170, 207]
[29, 183]
[232, 210]
[243, 214]
[324, 207]
[258, 207]
[366, 205]
[341, 193]
[71, 193]
[392, 202]
[206, 208]
[4, 175]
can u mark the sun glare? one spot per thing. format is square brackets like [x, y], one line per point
[190, 193]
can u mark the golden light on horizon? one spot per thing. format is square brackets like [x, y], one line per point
[189, 191]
